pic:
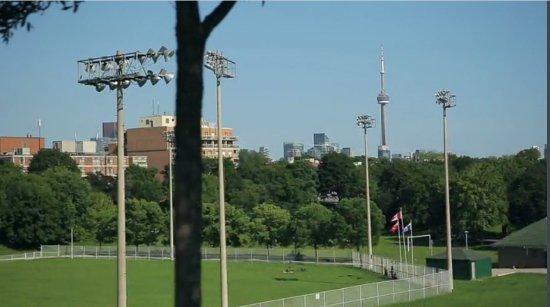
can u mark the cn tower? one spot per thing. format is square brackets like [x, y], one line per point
[383, 100]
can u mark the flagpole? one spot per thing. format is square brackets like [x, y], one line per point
[404, 246]
[412, 244]
[399, 240]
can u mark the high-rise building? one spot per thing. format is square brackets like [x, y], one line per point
[346, 151]
[292, 150]
[321, 146]
[383, 99]
[109, 130]
[320, 139]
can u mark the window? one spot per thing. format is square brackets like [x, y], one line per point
[167, 120]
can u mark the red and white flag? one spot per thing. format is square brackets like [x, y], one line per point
[397, 216]
[394, 228]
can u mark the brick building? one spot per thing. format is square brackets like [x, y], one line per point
[9, 144]
[149, 140]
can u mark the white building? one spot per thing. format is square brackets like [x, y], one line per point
[157, 121]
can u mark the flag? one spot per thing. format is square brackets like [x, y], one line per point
[407, 228]
[394, 228]
[397, 216]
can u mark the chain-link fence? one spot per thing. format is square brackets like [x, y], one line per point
[208, 253]
[409, 282]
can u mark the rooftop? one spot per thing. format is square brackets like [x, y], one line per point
[533, 235]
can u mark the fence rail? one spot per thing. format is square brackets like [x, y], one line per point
[208, 253]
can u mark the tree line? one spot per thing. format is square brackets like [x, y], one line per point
[275, 203]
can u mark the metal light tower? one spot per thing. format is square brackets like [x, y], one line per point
[170, 138]
[366, 122]
[466, 238]
[118, 72]
[447, 100]
[222, 67]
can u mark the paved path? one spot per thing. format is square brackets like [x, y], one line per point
[502, 272]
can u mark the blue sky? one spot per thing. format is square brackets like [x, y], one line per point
[303, 68]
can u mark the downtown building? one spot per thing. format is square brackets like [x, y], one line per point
[321, 146]
[292, 150]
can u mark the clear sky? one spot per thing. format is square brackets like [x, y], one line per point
[303, 68]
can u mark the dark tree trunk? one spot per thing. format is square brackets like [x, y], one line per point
[191, 35]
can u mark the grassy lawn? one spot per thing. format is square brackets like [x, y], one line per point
[10, 251]
[510, 290]
[90, 282]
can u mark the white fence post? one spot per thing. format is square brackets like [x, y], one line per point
[41, 250]
[162, 253]
[58, 250]
[377, 295]
[135, 252]
[393, 290]
[410, 288]
[109, 251]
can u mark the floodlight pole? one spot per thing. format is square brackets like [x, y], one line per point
[223, 249]
[446, 99]
[367, 192]
[118, 72]
[121, 248]
[219, 65]
[170, 139]
[366, 122]
[466, 239]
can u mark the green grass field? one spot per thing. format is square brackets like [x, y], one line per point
[90, 282]
[510, 290]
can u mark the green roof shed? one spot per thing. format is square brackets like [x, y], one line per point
[525, 248]
[467, 263]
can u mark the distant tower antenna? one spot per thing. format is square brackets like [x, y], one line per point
[383, 100]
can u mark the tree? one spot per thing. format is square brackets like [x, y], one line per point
[313, 224]
[210, 191]
[103, 217]
[191, 35]
[14, 14]
[103, 183]
[527, 196]
[479, 200]
[29, 213]
[238, 225]
[144, 222]
[338, 174]
[72, 194]
[270, 224]
[142, 184]
[50, 158]
[354, 212]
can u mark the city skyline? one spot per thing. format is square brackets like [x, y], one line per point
[329, 84]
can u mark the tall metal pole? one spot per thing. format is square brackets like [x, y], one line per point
[368, 193]
[223, 253]
[447, 202]
[171, 206]
[72, 242]
[466, 234]
[121, 248]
